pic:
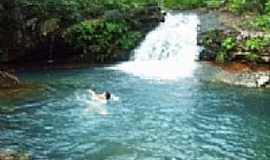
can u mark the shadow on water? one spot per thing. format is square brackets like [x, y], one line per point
[12, 98]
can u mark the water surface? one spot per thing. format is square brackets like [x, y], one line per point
[185, 119]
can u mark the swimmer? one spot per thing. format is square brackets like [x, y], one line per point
[103, 98]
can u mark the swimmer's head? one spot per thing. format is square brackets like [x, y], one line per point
[107, 95]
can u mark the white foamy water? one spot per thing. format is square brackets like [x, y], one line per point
[168, 52]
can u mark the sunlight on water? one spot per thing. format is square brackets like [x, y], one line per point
[168, 52]
[91, 105]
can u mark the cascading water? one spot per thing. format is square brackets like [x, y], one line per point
[168, 52]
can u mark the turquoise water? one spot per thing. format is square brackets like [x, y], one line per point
[190, 118]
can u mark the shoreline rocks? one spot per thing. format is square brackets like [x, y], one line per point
[259, 79]
[229, 46]
[263, 81]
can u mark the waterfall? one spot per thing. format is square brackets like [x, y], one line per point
[168, 52]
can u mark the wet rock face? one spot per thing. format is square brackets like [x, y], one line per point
[211, 42]
[8, 80]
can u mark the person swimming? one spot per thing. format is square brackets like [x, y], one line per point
[103, 98]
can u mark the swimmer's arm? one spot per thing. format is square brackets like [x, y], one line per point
[92, 92]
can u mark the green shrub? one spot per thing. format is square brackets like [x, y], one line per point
[130, 40]
[221, 57]
[214, 3]
[125, 5]
[267, 7]
[73, 11]
[261, 22]
[237, 6]
[229, 43]
[255, 44]
[183, 4]
[241, 6]
[105, 36]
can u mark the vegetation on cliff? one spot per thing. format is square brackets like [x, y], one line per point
[75, 30]
[191, 4]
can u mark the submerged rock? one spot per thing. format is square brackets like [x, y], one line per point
[13, 155]
[8, 80]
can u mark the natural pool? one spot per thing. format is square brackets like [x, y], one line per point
[184, 119]
[181, 118]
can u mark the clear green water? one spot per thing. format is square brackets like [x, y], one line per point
[187, 119]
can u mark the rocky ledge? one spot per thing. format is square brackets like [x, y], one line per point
[247, 79]
[232, 41]
[230, 45]
[239, 51]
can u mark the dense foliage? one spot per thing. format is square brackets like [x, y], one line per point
[80, 9]
[237, 6]
[190, 4]
[47, 26]
[99, 39]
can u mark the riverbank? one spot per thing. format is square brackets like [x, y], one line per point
[240, 74]
[242, 52]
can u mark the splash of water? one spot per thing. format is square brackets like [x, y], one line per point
[168, 52]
